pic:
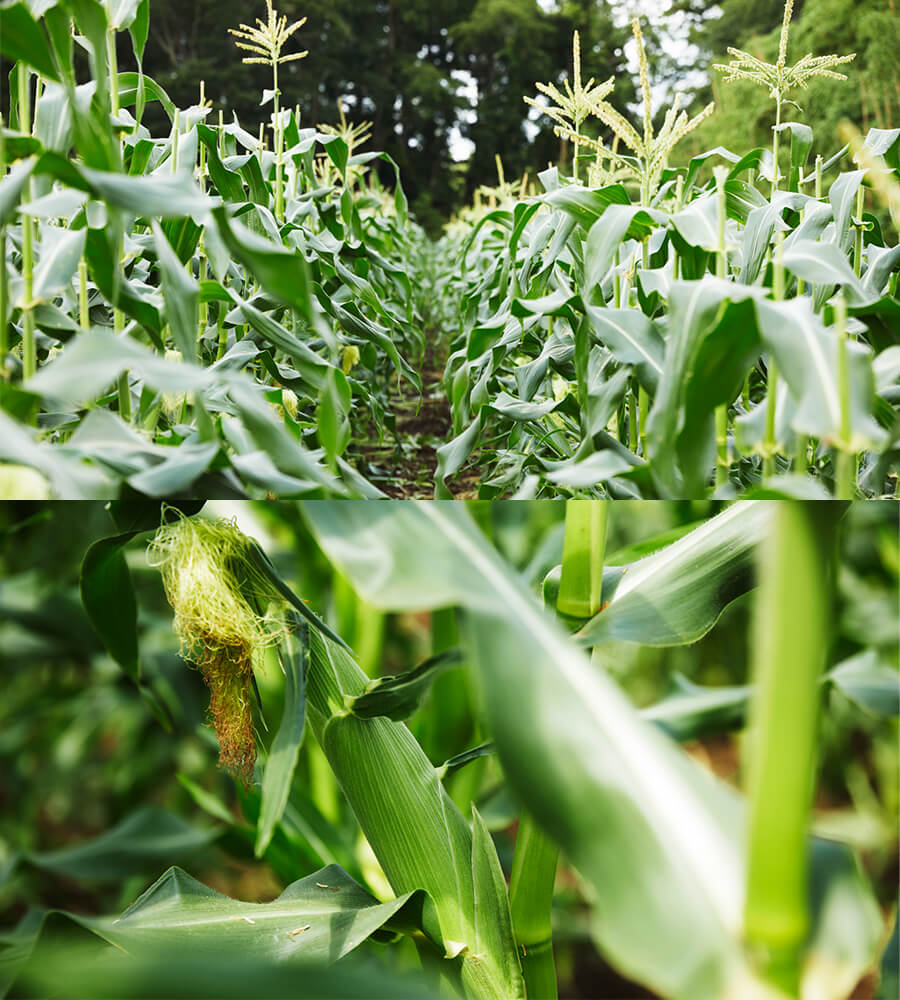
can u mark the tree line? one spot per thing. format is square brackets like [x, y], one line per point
[401, 66]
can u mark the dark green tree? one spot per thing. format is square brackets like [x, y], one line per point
[397, 66]
[508, 45]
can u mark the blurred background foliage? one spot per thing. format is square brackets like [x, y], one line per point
[98, 797]
[870, 97]
[444, 80]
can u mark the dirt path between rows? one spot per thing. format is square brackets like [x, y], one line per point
[403, 466]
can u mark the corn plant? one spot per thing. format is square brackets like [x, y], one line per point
[691, 888]
[231, 314]
[198, 314]
[781, 78]
[662, 335]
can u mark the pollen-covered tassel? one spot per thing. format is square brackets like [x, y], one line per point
[212, 584]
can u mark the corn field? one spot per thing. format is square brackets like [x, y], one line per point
[296, 702]
[219, 314]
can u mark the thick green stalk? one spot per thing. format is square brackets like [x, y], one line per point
[279, 192]
[632, 417]
[124, 384]
[113, 62]
[791, 640]
[858, 241]
[176, 135]
[581, 581]
[617, 291]
[679, 197]
[801, 454]
[643, 412]
[29, 348]
[450, 721]
[223, 333]
[770, 444]
[575, 152]
[203, 266]
[775, 135]
[323, 785]
[645, 203]
[801, 448]
[202, 145]
[361, 622]
[124, 387]
[535, 859]
[721, 174]
[84, 312]
[723, 465]
[221, 312]
[203, 272]
[771, 401]
[723, 462]
[844, 484]
[531, 900]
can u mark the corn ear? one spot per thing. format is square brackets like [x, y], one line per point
[418, 835]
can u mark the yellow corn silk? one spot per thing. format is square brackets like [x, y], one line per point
[219, 599]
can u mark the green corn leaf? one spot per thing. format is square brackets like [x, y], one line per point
[868, 682]
[60, 252]
[698, 224]
[676, 595]
[93, 361]
[22, 38]
[100, 252]
[318, 918]
[137, 844]
[842, 196]
[129, 87]
[692, 711]
[578, 755]
[801, 144]
[397, 697]
[11, 188]
[606, 235]
[824, 264]
[586, 206]
[741, 199]
[179, 970]
[181, 294]
[64, 469]
[466, 757]
[108, 598]
[333, 414]
[708, 351]
[282, 759]
[493, 922]
[633, 340]
[807, 358]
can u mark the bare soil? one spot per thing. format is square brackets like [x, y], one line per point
[403, 465]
